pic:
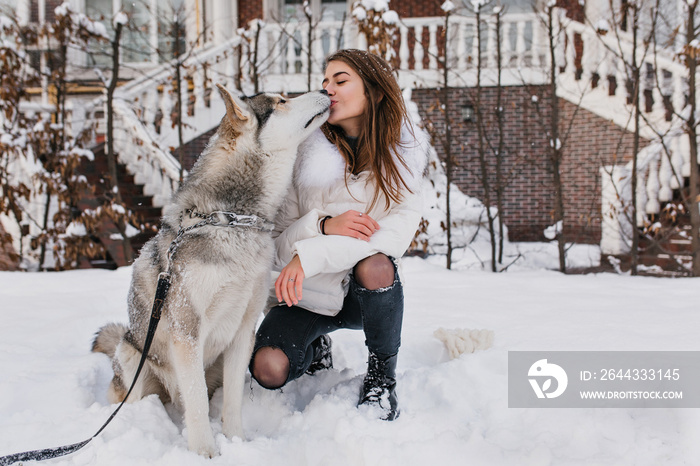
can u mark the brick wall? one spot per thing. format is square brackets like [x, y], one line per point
[529, 198]
[195, 147]
[416, 8]
[247, 10]
[49, 11]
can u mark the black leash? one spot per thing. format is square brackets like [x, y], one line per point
[48, 453]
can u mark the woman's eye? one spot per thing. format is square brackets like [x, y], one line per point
[341, 82]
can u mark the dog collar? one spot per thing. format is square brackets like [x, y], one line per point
[232, 219]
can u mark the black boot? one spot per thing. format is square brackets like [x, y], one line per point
[379, 386]
[323, 359]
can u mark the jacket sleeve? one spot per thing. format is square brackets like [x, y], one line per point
[291, 226]
[335, 253]
[303, 228]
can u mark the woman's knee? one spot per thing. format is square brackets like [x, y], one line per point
[375, 272]
[270, 367]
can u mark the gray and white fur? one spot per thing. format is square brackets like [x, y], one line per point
[220, 275]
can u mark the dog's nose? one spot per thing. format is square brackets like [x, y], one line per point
[324, 92]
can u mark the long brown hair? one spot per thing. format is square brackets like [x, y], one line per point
[380, 131]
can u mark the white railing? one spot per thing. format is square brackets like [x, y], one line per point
[152, 167]
[663, 80]
[661, 169]
[664, 161]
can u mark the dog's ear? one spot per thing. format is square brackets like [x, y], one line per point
[234, 110]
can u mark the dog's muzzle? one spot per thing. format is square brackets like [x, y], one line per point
[321, 113]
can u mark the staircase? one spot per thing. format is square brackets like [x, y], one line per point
[665, 243]
[133, 197]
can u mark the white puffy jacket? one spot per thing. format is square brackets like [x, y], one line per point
[318, 190]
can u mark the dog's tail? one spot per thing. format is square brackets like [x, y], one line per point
[107, 339]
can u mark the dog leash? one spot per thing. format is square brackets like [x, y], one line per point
[48, 453]
[216, 218]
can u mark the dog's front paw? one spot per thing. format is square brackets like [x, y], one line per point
[204, 446]
[233, 429]
[207, 451]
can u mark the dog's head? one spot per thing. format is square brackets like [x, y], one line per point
[278, 123]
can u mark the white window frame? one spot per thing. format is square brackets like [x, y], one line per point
[273, 8]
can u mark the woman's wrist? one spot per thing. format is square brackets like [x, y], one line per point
[322, 224]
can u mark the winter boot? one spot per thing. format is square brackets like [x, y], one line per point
[323, 359]
[379, 386]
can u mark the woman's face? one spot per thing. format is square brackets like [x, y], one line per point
[347, 93]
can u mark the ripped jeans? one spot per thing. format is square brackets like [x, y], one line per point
[378, 312]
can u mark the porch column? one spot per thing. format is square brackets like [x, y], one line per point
[224, 19]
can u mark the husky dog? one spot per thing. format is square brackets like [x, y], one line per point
[220, 274]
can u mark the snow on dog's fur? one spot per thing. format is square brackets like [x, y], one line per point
[220, 275]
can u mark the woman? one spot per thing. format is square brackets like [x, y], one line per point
[353, 209]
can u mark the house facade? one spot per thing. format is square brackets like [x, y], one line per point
[282, 53]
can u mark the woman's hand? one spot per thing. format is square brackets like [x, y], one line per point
[288, 285]
[353, 224]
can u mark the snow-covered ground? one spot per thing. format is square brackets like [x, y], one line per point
[52, 389]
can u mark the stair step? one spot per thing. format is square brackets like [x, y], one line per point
[680, 241]
[133, 197]
[679, 257]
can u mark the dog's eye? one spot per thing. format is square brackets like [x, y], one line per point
[282, 101]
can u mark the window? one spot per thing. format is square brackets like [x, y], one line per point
[172, 38]
[141, 43]
[328, 10]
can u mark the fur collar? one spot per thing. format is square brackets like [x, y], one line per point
[320, 165]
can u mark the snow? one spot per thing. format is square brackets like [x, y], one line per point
[131, 231]
[63, 9]
[390, 17]
[376, 5]
[553, 231]
[79, 19]
[121, 18]
[75, 229]
[602, 25]
[360, 14]
[448, 6]
[477, 4]
[454, 411]
[86, 153]
[5, 22]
